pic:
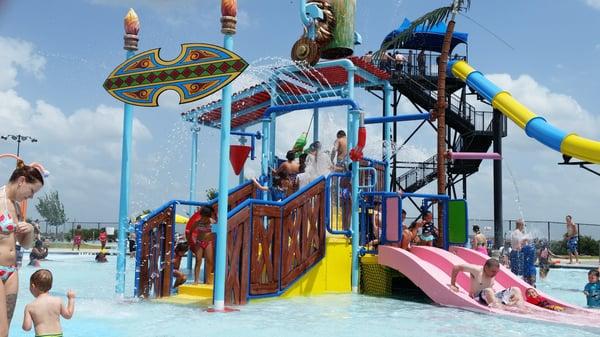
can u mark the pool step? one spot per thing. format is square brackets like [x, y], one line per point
[186, 300]
[196, 290]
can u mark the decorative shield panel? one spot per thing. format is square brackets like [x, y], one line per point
[198, 71]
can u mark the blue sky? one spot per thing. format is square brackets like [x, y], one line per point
[54, 56]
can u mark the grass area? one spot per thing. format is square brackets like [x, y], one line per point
[67, 245]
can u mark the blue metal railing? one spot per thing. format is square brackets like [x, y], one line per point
[340, 204]
[379, 222]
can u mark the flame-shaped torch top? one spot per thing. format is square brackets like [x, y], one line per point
[132, 23]
[229, 8]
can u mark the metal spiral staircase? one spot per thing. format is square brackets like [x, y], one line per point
[473, 127]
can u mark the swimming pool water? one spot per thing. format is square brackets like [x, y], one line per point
[99, 313]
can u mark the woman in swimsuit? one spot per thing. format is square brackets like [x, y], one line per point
[200, 239]
[479, 241]
[24, 182]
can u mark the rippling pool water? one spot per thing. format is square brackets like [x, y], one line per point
[99, 313]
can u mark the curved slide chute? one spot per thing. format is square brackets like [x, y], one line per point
[430, 269]
[535, 126]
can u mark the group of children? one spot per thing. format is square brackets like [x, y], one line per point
[591, 292]
[419, 232]
[78, 238]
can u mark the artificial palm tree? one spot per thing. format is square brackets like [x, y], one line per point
[429, 20]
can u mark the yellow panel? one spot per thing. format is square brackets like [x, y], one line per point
[462, 69]
[185, 300]
[369, 259]
[514, 110]
[330, 275]
[582, 148]
[199, 290]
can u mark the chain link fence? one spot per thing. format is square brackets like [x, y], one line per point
[64, 232]
[544, 230]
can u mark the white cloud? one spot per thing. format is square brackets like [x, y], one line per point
[82, 150]
[544, 190]
[595, 4]
[18, 54]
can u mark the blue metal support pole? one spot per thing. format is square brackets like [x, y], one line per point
[315, 124]
[264, 159]
[272, 144]
[193, 177]
[399, 118]
[387, 135]
[221, 256]
[124, 195]
[302, 106]
[353, 140]
[243, 142]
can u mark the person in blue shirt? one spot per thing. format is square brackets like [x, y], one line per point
[279, 190]
[592, 289]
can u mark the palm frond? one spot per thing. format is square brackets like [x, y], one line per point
[428, 20]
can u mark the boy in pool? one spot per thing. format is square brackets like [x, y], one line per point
[101, 257]
[180, 251]
[45, 311]
[534, 298]
[592, 289]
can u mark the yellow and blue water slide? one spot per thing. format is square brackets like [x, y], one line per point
[535, 126]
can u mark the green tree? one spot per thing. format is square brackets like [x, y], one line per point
[211, 193]
[51, 209]
[429, 20]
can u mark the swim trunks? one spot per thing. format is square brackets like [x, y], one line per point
[502, 295]
[572, 244]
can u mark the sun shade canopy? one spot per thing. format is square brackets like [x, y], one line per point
[427, 39]
[297, 86]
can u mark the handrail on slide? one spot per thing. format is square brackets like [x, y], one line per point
[535, 126]
[328, 201]
[390, 214]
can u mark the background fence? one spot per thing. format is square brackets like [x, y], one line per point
[62, 232]
[546, 230]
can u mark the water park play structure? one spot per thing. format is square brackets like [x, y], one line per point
[317, 239]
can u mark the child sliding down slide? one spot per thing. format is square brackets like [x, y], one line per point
[534, 298]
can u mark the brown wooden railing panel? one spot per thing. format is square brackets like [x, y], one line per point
[266, 247]
[238, 240]
[236, 198]
[161, 227]
[303, 233]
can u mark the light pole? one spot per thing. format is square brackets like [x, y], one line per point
[19, 138]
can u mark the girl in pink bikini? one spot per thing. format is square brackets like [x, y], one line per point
[479, 241]
[200, 239]
[24, 182]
